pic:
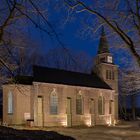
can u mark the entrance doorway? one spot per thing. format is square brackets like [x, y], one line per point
[69, 112]
[40, 111]
[92, 111]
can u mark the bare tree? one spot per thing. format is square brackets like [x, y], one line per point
[121, 17]
[59, 58]
[129, 82]
[16, 16]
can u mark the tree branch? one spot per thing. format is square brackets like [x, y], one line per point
[115, 27]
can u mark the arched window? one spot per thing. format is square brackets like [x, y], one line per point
[110, 74]
[107, 75]
[79, 104]
[111, 106]
[54, 102]
[91, 106]
[113, 75]
[101, 105]
[10, 102]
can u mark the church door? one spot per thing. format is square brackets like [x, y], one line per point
[40, 111]
[92, 111]
[111, 111]
[69, 112]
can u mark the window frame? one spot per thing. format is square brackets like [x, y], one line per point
[110, 107]
[79, 104]
[113, 75]
[110, 75]
[107, 74]
[101, 105]
[10, 103]
[54, 102]
[92, 110]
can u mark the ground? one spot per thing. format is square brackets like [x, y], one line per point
[7, 133]
[123, 131]
[126, 131]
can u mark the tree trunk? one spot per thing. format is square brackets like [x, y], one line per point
[124, 107]
[133, 107]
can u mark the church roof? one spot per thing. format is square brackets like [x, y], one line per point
[57, 76]
[25, 80]
[103, 43]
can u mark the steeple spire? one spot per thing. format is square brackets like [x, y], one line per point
[103, 44]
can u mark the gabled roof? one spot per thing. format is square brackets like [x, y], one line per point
[57, 76]
[25, 80]
[103, 43]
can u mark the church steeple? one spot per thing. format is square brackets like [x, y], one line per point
[106, 69]
[103, 44]
[104, 55]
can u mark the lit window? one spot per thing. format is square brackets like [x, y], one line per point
[101, 105]
[54, 102]
[79, 104]
[10, 103]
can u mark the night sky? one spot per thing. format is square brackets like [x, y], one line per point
[68, 32]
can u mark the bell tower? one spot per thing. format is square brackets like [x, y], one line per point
[106, 69]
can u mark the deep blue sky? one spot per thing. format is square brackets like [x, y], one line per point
[67, 34]
[69, 37]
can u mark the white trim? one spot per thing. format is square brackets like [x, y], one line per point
[109, 64]
[78, 87]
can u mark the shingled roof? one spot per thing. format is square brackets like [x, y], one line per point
[57, 76]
